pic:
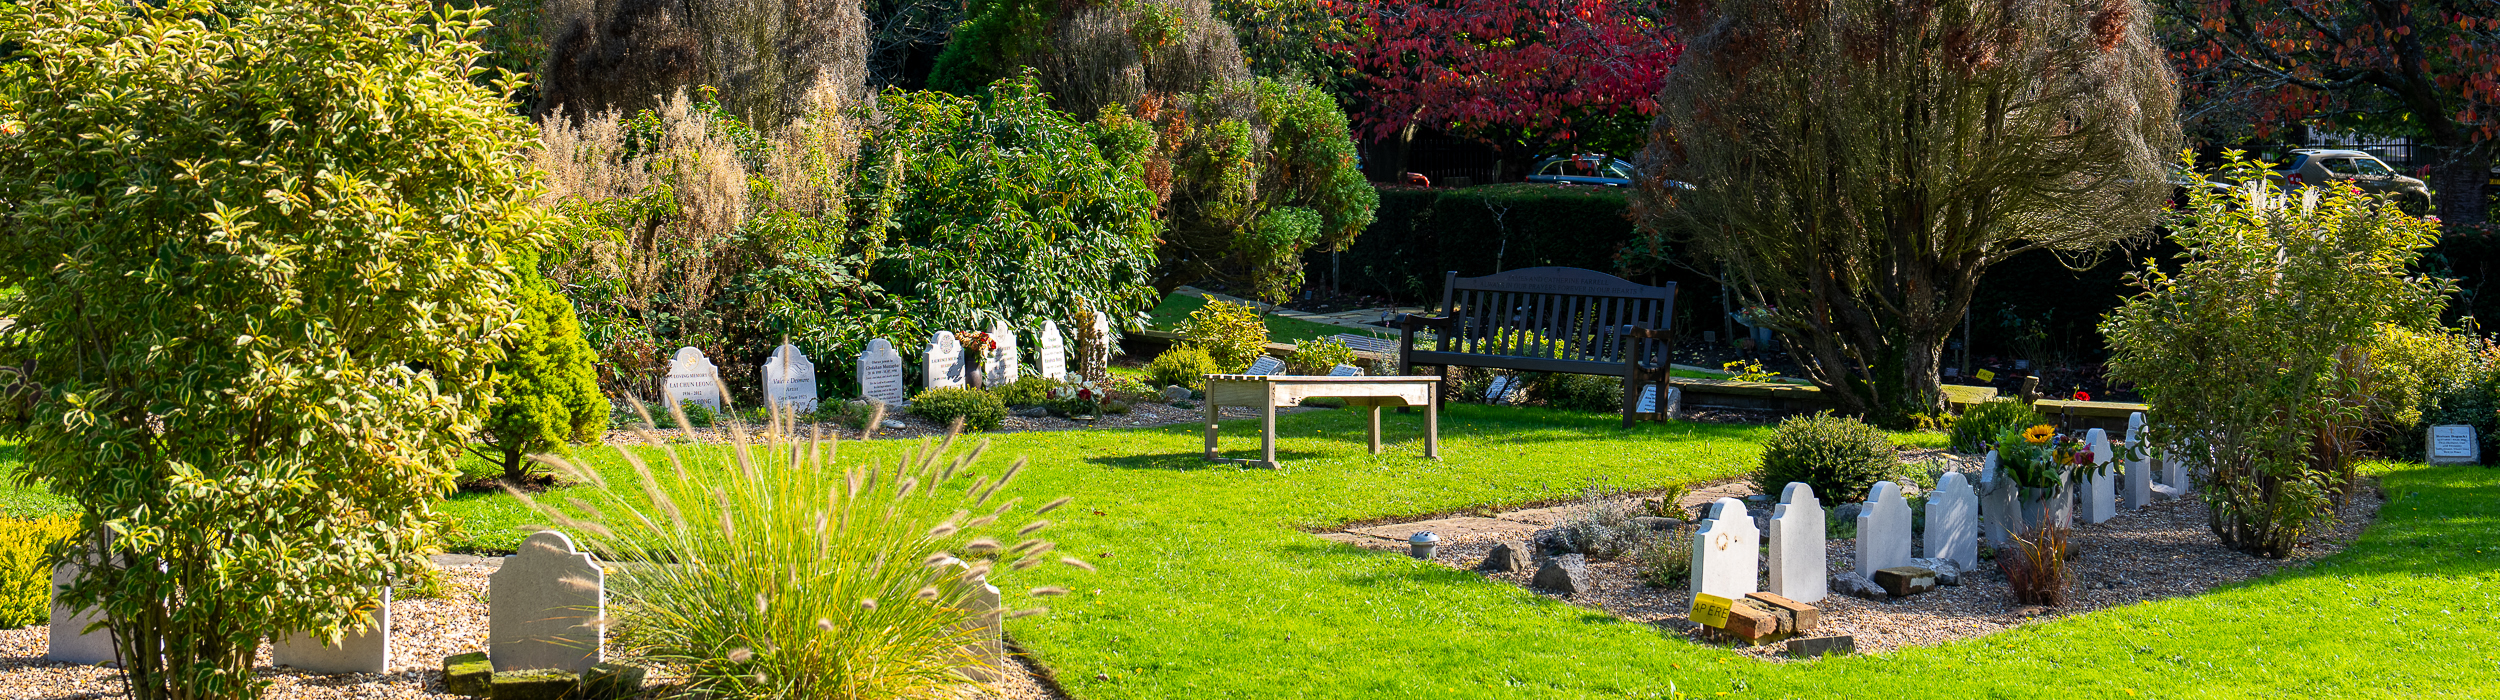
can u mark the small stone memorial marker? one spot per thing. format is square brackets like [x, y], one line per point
[2100, 497]
[881, 373]
[1265, 366]
[1499, 391]
[357, 652]
[1797, 545]
[1052, 358]
[1345, 371]
[692, 378]
[790, 379]
[1953, 521]
[1001, 365]
[2454, 444]
[69, 640]
[543, 607]
[1883, 529]
[1725, 552]
[944, 364]
[2139, 462]
[1093, 349]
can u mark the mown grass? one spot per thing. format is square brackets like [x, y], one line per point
[1209, 588]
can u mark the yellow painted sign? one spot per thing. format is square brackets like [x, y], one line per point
[1710, 610]
[1985, 375]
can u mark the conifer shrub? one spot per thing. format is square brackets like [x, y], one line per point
[1837, 455]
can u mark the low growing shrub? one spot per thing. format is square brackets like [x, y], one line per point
[1978, 426]
[1027, 390]
[1838, 456]
[1601, 527]
[698, 415]
[800, 578]
[1319, 356]
[1231, 334]
[1578, 392]
[980, 410]
[1182, 366]
[1666, 559]
[25, 575]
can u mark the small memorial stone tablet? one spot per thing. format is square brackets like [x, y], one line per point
[881, 373]
[1001, 365]
[943, 366]
[1499, 392]
[2454, 444]
[1345, 371]
[1052, 359]
[543, 607]
[790, 379]
[691, 377]
[357, 652]
[1265, 366]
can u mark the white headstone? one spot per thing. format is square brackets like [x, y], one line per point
[1797, 565]
[1725, 552]
[790, 379]
[1094, 359]
[544, 606]
[1265, 366]
[2454, 444]
[881, 373]
[1997, 501]
[1345, 371]
[2100, 495]
[1953, 521]
[1002, 364]
[2174, 474]
[691, 377]
[943, 365]
[70, 642]
[357, 652]
[1052, 359]
[2139, 475]
[1883, 529]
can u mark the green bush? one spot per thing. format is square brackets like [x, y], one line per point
[1578, 392]
[1319, 356]
[272, 267]
[1838, 456]
[1027, 390]
[980, 410]
[1979, 425]
[1231, 334]
[1182, 366]
[782, 605]
[698, 415]
[25, 578]
[1665, 559]
[546, 390]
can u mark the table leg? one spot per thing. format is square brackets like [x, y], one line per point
[1375, 429]
[1267, 433]
[1432, 429]
[1211, 414]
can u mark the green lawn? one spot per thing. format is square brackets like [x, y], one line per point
[1208, 589]
[1167, 316]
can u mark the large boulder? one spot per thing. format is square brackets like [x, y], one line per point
[1567, 574]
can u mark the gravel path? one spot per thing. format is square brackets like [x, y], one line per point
[2162, 551]
[423, 632]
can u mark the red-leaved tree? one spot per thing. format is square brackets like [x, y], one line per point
[1523, 75]
[2429, 69]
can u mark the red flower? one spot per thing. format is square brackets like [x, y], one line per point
[2082, 396]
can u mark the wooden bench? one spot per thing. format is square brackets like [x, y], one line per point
[1593, 322]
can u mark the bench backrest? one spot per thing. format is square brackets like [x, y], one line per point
[1579, 313]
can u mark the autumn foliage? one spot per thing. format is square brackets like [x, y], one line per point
[1490, 69]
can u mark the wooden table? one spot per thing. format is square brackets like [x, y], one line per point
[1269, 392]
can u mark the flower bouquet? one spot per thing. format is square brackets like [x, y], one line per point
[977, 345]
[1077, 398]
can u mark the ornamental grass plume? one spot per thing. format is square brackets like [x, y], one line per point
[762, 570]
[2035, 567]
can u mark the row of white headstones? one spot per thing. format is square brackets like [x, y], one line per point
[790, 377]
[546, 607]
[1725, 546]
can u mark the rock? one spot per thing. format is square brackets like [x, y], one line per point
[611, 681]
[1567, 574]
[543, 684]
[1851, 583]
[1904, 581]
[1506, 558]
[1031, 412]
[1176, 392]
[469, 674]
[1552, 540]
[1656, 524]
[1947, 573]
[1845, 513]
[1818, 646]
[894, 425]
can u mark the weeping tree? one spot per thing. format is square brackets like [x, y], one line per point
[1851, 167]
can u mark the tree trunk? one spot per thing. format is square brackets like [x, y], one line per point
[513, 471]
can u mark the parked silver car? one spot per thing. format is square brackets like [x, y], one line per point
[2318, 166]
[1583, 169]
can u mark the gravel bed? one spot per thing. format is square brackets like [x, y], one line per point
[423, 632]
[2162, 551]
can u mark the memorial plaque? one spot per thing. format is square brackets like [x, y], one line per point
[1052, 359]
[943, 366]
[1710, 610]
[881, 373]
[790, 379]
[1265, 366]
[692, 378]
[1000, 366]
[1985, 375]
[1499, 392]
[1345, 371]
[2455, 444]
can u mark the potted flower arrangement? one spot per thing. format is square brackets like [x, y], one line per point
[1076, 398]
[2045, 466]
[976, 346]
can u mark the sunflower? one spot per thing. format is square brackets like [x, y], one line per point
[2039, 434]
